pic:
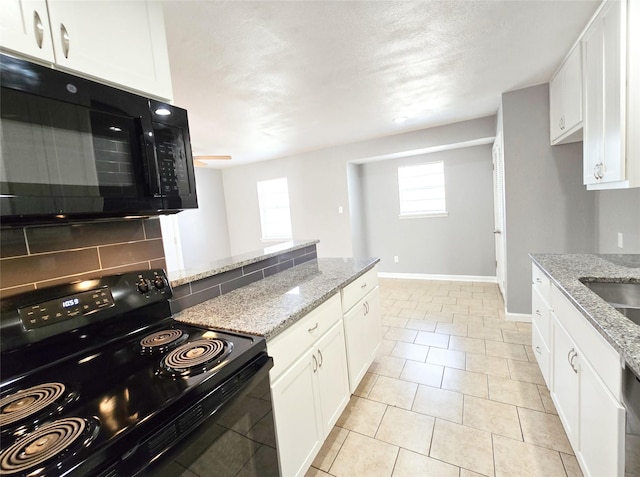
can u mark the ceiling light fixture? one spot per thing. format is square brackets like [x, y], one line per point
[162, 112]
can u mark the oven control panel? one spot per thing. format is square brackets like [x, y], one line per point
[54, 311]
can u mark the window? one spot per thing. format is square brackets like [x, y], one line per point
[273, 200]
[422, 191]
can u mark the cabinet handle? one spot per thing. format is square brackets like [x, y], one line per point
[538, 313]
[364, 285]
[321, 358]
[314, 328]
[38, 29]
[538, 280]
[366, 307]
[538, 350]
[315, 363]
[64, 36]
[575, 355]
[571, 356]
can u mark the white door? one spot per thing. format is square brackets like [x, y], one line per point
[498, 209]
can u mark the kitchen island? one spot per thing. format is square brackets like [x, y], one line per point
[269, 306]
[566, 272]
[321, 321]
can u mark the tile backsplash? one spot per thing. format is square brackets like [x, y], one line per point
[39, 256]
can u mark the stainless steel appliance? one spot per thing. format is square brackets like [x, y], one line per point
[99, 380]
[72, 148]
[631, 397]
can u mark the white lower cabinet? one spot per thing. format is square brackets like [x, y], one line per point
[586, 376]
[297, 416]
[565, 381]
[363, 333]
[362, 327]
[310, 386]
[602, 420]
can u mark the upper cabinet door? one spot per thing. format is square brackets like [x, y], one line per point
[605, 96]
[123, 43]
[573, 91]
[565, 92]
[25, 29]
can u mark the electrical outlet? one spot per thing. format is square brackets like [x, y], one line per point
[395, 259]
[620, 241]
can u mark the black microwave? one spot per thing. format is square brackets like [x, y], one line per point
[71, 148]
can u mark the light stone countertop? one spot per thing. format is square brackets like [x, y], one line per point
[208, 269]
[269, 306]
[566, 270]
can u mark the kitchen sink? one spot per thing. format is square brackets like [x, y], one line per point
[624, 297]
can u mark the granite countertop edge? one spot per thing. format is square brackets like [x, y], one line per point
[268, 307]
[566, 271]
[182, 277]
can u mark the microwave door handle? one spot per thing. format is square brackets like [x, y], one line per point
[151, 166]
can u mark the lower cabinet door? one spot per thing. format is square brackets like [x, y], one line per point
[565, 381]
[602, 421]
[363, 334]
[297, 415]
[333, 379]
[541, 353]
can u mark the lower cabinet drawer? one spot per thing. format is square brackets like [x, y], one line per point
[540, 316]
[289, 345]
[542, 353]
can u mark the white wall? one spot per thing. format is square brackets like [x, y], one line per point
[318, 185]
[461, 243]
[618, 211]
[203, 231]
[547, 209]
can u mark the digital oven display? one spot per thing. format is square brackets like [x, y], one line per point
[54, 311]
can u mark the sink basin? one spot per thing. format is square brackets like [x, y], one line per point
[619, 295]
[632, 313]
[624, 297]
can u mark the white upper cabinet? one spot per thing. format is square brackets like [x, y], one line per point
[565, 91]
[25, 29]
[611, 49]
[119, 43]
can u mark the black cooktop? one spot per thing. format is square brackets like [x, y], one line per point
[97, 391]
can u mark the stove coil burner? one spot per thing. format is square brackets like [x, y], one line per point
[51, 445]
[163, 340]
[29, 402]
[195, 357]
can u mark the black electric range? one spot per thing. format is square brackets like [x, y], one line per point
[98, 379]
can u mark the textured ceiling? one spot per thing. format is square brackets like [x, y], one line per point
[270, 79]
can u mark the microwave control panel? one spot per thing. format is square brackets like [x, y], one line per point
[172, 161]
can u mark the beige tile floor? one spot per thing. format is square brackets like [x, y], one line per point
[455, 391]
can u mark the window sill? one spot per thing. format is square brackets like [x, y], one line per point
[423, 216]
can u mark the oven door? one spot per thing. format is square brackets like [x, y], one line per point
[238, 439]
[70, 147]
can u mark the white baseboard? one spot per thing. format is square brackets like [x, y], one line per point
[522, 317]
[450, 278]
